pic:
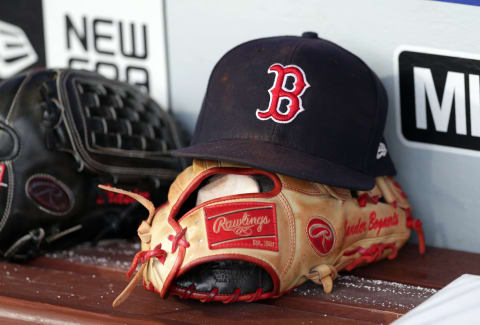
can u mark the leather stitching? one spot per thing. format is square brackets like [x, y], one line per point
[291, 230]
[11, 187]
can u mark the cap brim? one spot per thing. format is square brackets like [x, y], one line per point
[276, 158]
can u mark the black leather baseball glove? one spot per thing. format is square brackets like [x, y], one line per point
[62, 132]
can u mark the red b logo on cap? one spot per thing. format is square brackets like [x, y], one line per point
[278, 93]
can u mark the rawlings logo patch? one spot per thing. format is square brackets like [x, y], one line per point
[242, 225]
[321, 235]
[279, 92]
[49, 194]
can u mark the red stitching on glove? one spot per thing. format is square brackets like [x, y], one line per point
[211, 295]
[257, 295]
[143, 257]
[179, 239]
[408, 211]
[373, 253]
[188, 292]
[365, 198]
[416, 225]
[234, 297]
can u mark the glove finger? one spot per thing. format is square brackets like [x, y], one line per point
[392, 192]
[338, 192]
[401, 197]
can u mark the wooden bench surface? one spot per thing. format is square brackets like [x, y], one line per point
[79, 285]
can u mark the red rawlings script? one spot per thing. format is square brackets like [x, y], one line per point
[242, 225]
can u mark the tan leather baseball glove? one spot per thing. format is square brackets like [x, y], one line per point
[205, 245]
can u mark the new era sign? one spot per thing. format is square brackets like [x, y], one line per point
[439, 99]
[122, 40]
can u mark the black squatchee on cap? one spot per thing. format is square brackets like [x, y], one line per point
[298, 106]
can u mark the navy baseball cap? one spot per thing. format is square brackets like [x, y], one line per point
[299, 106]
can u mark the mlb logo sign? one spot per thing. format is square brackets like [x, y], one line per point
[438, 98]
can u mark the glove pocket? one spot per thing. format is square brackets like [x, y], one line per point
[234, 252]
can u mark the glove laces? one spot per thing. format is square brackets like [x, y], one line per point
[324, 275]
[416, 224]
[371, 254]
[144, 256]
[179, 239]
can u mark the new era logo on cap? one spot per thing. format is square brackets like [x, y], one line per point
[382, 150]
[299, 106]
